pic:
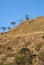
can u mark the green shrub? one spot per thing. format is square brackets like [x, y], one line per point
[24, 50]
[25, 57]
[19, 59]
[1, 63]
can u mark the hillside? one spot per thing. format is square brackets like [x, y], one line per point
[29, 34]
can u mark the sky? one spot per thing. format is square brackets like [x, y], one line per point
[15, 10]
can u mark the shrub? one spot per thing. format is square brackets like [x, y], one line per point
[24, 50]
[1, 63]
[19, 59]
[43, 37]
[9, 48]
[25, 57]
[2, 33]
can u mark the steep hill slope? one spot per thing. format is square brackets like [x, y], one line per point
[29, 34]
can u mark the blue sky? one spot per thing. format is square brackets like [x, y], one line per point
[14, 10]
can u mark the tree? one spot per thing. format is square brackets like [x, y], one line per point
[27, 17]
[9, 28]
[13, 24]
[3, 28]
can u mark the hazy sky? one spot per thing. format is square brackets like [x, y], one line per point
[14, 10]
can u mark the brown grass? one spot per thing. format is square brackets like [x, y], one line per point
[28, 34]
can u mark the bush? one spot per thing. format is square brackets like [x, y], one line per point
[25, 57]
[43, 37]
[1, 63]
[24, 50]
[19, 59]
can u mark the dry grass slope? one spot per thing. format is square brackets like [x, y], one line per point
[29, 34]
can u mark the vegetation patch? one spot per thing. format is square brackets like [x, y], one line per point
[25, 57]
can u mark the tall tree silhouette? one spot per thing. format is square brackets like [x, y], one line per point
[9, 28]
[27, 17]
[3, 28]
[13, 24]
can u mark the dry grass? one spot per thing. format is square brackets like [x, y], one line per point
[28, 34]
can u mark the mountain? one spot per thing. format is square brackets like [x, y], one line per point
[30, 35]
